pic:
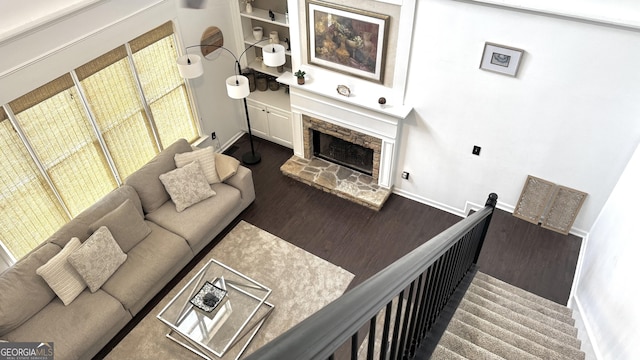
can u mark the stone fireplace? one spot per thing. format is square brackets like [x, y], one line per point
[362, 142]
[341, 145]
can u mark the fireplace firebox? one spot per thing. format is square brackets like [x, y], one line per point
[343, 152]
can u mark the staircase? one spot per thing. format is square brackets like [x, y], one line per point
[496, 320]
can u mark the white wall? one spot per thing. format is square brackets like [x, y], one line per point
[42, 54]
[571, 115]
[607, 291]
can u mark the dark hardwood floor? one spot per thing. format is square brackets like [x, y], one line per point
[364, 241]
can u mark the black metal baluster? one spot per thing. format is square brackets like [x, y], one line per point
[384, 342]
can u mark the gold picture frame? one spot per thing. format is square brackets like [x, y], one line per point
[347, 40]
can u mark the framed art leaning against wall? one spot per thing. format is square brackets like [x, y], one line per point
[347, 40]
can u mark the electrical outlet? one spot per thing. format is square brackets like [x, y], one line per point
[213, 136]
[476, 150]
[405, 175]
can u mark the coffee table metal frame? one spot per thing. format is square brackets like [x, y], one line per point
[197, 346]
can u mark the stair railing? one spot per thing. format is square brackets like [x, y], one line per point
[406, 297]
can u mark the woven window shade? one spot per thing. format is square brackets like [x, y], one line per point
[64, 141]
[163, 86]
[111, 91]
[23, 190]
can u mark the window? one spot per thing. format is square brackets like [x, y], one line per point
[71, 141]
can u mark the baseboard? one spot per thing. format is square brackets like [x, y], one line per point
[585, 331]
[429, 202]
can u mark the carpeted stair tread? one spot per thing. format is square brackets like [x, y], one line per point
[524, 310]
[498, 331]
[536, 332]
[533, 301]
[465, 349]
[488, 342]
[442, 353]
[523, 293]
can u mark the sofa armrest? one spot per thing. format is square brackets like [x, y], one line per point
[243, 181]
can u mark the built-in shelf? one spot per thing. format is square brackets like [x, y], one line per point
[263, 15]
[259, 67]
[278, 99]
[249, 40]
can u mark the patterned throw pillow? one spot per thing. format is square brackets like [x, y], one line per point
[98, 258]
[187, 185]
[61, 277]
[205, 157]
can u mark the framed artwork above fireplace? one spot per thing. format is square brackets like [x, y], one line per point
[347, 40]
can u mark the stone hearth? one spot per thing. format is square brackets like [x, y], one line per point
[338, 180]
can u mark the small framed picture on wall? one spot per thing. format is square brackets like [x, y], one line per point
[501, 59]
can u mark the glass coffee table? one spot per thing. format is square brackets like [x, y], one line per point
[218, 309]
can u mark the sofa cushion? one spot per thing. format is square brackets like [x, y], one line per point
[98, 258]
[194, 223]
[207, 160]
[24, 292]
[126, 225]
[80, 226]
[149, 267]
[62, 278]
[146, 180]
[75, 330]
[226, 166]
[186, 185]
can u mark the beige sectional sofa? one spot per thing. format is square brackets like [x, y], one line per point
[159, 241]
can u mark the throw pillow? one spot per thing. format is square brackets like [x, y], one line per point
[125, 224]
[206, 158]
[226, 166]
[187, 185]
[98, 258]
[61, 277]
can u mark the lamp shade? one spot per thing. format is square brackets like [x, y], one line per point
[190, 66]
[273, 55]
[237, 86]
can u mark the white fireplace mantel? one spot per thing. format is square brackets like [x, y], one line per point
[359, 112]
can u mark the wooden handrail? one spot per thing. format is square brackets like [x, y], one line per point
[318, 336]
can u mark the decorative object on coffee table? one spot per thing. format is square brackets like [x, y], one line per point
[209, 297]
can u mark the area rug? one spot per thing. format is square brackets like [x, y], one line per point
[302, 283]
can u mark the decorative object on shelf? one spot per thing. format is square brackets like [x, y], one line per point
[252, 79]
[272, 16]
[261, 83]
[300, 75]
[347, 40]
[501, 59]
[273, 84]
[286, 40]
[274, 38]
[344, 90]
[382, 101]
[257, 33]
[190, 66]
[249, 7]
[209, 297]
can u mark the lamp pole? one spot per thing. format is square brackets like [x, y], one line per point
[252, 157]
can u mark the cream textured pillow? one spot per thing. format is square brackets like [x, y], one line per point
[226, 166]
[206, 158]
[187, 185]
[98, 258]
[61, 277]
[125, 224]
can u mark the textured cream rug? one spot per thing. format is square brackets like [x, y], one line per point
[302, 283]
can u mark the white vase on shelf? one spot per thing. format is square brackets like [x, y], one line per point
[249, 8]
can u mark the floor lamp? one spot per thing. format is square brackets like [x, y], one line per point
[190, 66]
